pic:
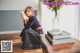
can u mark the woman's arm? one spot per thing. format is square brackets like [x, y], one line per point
[32, 21]
[24, 17]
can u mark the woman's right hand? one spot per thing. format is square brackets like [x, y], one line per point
[24, 17]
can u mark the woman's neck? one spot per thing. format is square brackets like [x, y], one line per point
[31, 16]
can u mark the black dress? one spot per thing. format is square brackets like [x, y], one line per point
[31, 37]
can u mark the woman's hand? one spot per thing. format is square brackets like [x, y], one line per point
[24, 17]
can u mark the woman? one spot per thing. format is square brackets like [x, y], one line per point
[31, 33]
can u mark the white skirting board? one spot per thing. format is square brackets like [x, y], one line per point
[9, 32]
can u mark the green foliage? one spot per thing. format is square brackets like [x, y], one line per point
[54, 8]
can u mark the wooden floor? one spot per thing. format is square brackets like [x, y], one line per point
[17, 45]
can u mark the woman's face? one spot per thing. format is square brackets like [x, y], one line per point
[29, 12]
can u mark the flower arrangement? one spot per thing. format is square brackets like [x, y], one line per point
[54, 8]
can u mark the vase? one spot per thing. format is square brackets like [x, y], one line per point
[56, 24]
